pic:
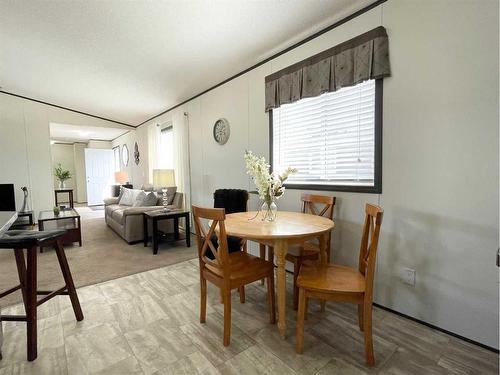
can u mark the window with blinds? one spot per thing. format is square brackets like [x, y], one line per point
[330, 139]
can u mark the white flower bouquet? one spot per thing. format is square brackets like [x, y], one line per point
[270, 186]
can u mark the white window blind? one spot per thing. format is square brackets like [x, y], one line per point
[330, 138]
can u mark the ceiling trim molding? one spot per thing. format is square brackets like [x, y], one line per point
[67, 109]
[292, 47]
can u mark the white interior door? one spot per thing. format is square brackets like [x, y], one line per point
[99, 169]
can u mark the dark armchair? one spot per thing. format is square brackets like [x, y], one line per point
[232, 200]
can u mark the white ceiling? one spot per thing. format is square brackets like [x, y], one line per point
[130, 60]
[74, 133]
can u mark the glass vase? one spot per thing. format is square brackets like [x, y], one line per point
[268, 211]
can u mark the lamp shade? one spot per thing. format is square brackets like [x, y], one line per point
[121, 177]
[163, 177]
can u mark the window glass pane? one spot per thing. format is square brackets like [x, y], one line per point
[166, 150]
[330, 139]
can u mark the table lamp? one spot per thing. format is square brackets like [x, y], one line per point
[121, 177]
[164, 178]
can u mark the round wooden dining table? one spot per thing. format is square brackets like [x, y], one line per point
[289, 228]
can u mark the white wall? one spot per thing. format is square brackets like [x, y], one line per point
[25, 146]
[63, 153]
[80, 172]
[138, 173]
[440, 158]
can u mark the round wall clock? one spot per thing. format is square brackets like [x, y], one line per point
[221, 131]
[125, 155]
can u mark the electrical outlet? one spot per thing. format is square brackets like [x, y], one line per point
[408, 276]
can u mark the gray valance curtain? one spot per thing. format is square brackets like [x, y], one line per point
[356, 60]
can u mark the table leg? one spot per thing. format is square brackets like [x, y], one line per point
[188, 232]
[176, 228]
[145, 228]
[155, 236]
[280, 249]
[40, 228]
[31, 254]
[79, 231]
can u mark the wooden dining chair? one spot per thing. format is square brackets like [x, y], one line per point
[345, 284]
[227, 271]
[297, 254]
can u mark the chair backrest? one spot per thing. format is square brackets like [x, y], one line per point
[204, 235]
[232, 200]
[369, 244]
[309, 202]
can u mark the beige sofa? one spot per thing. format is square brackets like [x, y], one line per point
[127, 220]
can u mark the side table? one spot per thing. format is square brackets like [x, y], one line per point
[69, 192]
[158, 215]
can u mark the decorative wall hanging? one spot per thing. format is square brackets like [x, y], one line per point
[221, 131]
[136, 154]
[125, 155]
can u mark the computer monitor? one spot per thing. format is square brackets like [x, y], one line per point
[7, 197]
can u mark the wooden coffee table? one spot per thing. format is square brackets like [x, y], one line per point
[158, 215]
[67, 219]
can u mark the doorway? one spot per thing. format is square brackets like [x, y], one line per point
[99, 168]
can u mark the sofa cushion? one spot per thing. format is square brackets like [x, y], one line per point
[112, 207]
[117, 215]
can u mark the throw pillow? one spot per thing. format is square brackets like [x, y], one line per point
[139, 200]
[128, 196]
[150, 200]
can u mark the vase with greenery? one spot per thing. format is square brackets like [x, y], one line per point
[62, 175]
[270, 186]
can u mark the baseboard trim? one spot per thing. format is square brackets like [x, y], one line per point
[436, 328]
[470, 341]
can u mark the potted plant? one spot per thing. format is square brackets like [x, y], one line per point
[62, 175]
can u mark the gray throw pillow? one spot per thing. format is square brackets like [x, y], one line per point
[139, 200]
[150, 200]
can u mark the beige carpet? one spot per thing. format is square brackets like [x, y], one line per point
[103, 256]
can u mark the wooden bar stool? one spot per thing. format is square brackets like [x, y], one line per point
[18, 240]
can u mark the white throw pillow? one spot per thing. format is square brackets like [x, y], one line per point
[129, 196]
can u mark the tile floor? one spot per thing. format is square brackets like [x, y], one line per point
[148, 323]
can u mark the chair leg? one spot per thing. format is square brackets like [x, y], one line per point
[31, 316]
[68, 279]
[227, 317]
[262, 255]
[323, 305]
[241, 291]
[299, 339]
[360, 317]
[270, 254]
[203, 300]
[296, 269]
[271, 299]
[367, 325]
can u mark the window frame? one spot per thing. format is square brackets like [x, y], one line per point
[377, 182]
